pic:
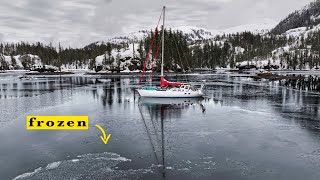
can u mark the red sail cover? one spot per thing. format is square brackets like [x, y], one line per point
[165, 83]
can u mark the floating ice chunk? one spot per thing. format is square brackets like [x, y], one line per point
[29, 174]
[53, 165]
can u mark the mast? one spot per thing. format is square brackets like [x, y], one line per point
[164, 14]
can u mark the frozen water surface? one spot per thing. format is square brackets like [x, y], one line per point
[244, 129]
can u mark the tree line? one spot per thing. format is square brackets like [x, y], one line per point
[307, 17]
[221, 51]
[55, 56]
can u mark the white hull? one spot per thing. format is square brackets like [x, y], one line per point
[169, 94]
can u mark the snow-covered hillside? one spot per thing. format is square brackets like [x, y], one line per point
[27, 61]
[302, 31]
[194, 33]
[301, 52]
[301, 28]
[126, 59]
[295, 32]
[258, 28]
[306, 17]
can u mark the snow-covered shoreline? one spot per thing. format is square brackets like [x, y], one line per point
[156, 74]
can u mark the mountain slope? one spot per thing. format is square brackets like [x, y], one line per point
[193, 33]
[257, 28]
[306, 17]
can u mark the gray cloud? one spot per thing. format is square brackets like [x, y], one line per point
[80, 22]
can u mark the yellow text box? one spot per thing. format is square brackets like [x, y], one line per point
[57, 122]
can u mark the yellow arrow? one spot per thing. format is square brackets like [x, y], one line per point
[104, 138]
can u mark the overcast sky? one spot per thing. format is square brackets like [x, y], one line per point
[80, 22]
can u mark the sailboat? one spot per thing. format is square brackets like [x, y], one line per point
[169, 89]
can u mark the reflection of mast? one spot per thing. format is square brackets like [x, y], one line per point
[148, 133]
[162, 143]
[162, 108]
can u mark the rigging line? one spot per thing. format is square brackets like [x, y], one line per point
[148, 56]
[162, 146]
[160, 18]
[162, 138]
[150, 49]
[175, 42]
[153, 64]
[154, 127]
[148, 134]
[185, 57]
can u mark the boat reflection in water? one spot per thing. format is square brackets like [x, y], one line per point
[154, 113]
[169, 101]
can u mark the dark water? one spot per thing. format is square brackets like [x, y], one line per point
[244, 129]
[311, 83]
